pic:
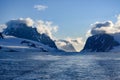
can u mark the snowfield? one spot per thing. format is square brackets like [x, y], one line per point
[14, 44]
[55, 66]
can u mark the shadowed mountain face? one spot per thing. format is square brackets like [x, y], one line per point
[100, 43]
[21, 30]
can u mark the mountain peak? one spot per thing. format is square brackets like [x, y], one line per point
[21, 30]
[100, 43]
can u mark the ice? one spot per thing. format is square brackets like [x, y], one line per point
[48, 66]
[45, 57]
[13, 43]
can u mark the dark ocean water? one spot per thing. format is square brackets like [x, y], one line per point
[59, 66]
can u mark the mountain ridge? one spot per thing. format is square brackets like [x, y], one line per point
[22, 30]
[100, 43]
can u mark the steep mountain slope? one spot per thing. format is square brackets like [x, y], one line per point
[22, 30]
[100, 43]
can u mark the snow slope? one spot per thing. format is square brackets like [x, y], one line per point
[13, 44]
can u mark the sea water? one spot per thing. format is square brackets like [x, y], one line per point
[59, 66]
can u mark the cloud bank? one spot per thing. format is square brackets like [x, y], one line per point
[48, 28]
[28, 21]
[40, 7]
[78, 43]
[65, 46]
[45, 27]
[107, 27]
[2, 27]
[70, 44]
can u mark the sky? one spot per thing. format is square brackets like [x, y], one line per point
[73, 17]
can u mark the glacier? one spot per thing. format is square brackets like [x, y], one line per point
[14, 44]
[59, 66]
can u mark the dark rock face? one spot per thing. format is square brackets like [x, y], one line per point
[100, 43]
[28, 43]
[0, 47]
[21, 30]
[1, 36]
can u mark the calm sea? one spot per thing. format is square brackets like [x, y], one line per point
[59, 66]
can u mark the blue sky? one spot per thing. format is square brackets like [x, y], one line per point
[72, 16]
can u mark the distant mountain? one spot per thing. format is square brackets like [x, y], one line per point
[14, 44]
[100, 43]
[65, 46]
[21, 30]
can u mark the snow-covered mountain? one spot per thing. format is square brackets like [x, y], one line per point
[22, 30]
[101, 43]
[65, 45]
[14, 44]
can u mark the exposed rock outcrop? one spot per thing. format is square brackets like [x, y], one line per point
[100, 43]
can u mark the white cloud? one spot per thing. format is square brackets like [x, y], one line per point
[65, 46]
[40, 7]
[28, 21]
[78, 43]
[117, 24]
[46, 27]
[105, 27]
[2, 27]
[70, 44]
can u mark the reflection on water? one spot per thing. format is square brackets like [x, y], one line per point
[55, 66]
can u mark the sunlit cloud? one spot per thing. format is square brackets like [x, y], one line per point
[107, 27]
[43, 27]
[28, 21]
[46, 27]
[40, 7]
[71, 44]
[78, 43]
[2, 27]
